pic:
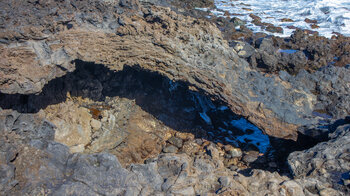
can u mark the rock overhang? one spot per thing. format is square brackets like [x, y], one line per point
[178, 47]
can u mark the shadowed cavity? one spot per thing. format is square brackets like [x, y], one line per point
[170, 102]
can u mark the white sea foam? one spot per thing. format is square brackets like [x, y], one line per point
[331, 15]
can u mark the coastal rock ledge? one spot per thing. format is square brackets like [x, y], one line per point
[65, 130]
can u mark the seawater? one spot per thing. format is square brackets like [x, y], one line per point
[331, 15]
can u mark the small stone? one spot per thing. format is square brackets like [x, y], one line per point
[176, 141]
[224, 181]
[212, 152]
[315, 26]
[167, 136]
[286, 20]
[95, 124]
[228, 147]
[238, 46]
[307, 20]
[254, 17]
[346, 182]
[233, 168]
[170, 149]
[189, 147]
[242, 53]
[247, 9]
[237, 22]
[274, 29]
[250, 158]
[235, 152]
[220, 145]
[291, 27]
[198, 141]
[205, 143]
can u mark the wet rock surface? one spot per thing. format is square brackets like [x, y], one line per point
[127, 98]
[318, 50]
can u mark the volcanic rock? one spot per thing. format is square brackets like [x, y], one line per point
[176, 141]
[237, 22]
[326, 162]
[172, 41]
[93, 91]
[170, 149]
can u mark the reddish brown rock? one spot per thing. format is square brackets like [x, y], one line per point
[307, 20]
[286, 20]
[315, 26]
[274, 29]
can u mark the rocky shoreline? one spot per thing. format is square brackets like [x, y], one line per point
[152, 97]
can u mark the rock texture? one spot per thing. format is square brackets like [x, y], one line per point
[327, 164]
[114, 97]
[32, 164]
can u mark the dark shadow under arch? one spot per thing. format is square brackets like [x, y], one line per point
[170, 102]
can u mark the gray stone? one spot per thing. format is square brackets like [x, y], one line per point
[235, 152]
[176, 141]
[266, 45]
[224, 181]
[170, 149]
[250, 158]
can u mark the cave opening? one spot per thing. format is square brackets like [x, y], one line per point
[136, 115]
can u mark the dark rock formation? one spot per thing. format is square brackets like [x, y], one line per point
[325, 165]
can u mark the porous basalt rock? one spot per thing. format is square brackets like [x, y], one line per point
[327, 163]
[65, 77]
